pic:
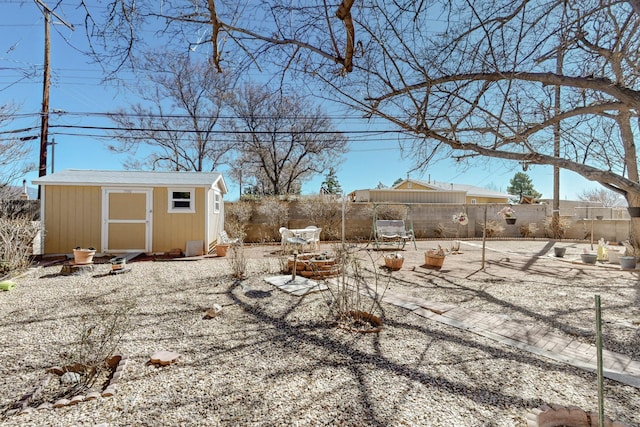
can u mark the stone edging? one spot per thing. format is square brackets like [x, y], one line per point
[118, 363]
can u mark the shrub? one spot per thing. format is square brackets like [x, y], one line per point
[325, 212]
[558, 231]
[237, 217]
[277, 214]
[238, 261]
[16, 243]
[492, 229]
[353, 281]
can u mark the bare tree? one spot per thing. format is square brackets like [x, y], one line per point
[179, 124]
[14, 155]
[283, 141]
[538, 83]
[606, 197]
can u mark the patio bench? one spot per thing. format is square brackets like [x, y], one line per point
[392, 231]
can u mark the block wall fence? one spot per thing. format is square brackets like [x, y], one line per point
[612, 224]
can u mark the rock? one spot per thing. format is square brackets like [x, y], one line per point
[164, 357]
[61, 403]
[92, 395]
[70, 378]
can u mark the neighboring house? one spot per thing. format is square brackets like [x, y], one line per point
[131, 211]
[416, 191]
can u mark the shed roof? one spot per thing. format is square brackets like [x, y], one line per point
[133, 178]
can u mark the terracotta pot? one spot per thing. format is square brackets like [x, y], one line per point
[221, 250]
[83, 256]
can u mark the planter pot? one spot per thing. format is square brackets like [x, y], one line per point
[614, 256]
[510, 221]
[559, 252]
[589, 258]
[83, 256]
[393, 263]
[433, 260]
[628, 262]
[221, 250]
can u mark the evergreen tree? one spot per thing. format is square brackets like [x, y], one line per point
[331, 184]
[521, 185]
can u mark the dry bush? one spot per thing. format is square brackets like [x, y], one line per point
[391, 211]
[237, 217]
[440, 231]
[493, 229]
[277, 213]
[325, 211]
[353, 281]
[238, 261]
[564, 223]
[529, 230]
[98, 337]
[16, 243]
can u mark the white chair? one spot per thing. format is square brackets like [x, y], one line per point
[226, 240]
[285, 233]
[312, 236]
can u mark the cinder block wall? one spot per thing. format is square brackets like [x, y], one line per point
[426, 218]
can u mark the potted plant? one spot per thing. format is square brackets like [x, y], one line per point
[628, 259]
[83, 256]
[459, 219]
[221, 249]
[508, 214]
[434, 257]
[559, 251]
[393, 261]
[588, 257]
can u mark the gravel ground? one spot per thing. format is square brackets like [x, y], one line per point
[274, 359]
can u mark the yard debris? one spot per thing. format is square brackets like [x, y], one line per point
[214, 311]
[7, 285]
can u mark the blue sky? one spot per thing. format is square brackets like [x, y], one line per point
[78, 91]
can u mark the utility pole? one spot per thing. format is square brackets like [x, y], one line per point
[44, 120]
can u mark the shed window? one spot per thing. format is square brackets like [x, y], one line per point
[473, 201]
[182, 200]
[216, 202]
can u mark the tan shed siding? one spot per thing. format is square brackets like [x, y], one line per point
[479, 199]
[73, 218]
[172, 230]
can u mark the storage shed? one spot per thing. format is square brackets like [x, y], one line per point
[131, 211]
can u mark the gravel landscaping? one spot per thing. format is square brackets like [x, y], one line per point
[270, 358]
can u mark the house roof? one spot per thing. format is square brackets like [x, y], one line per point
[133, 178]
[470, 190]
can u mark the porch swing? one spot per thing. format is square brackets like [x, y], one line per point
[393, 231]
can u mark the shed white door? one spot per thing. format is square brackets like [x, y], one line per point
[126, 220]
